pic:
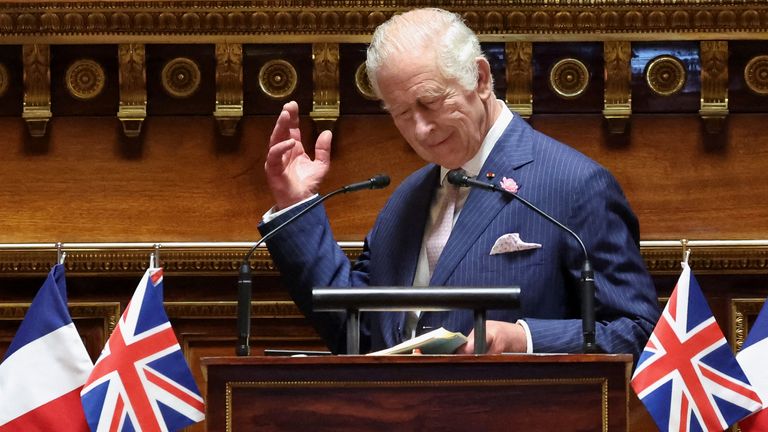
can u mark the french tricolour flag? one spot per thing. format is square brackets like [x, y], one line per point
[45, 366]
[752, 360]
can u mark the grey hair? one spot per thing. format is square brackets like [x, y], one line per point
[456, 46]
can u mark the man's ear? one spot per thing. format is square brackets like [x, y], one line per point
[484, 78]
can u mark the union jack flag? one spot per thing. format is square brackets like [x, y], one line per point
[687, 376]
[141, 381]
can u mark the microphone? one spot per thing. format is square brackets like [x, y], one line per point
[243, 348]
[458, 177]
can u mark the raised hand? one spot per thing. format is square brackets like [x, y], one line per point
[291, 175]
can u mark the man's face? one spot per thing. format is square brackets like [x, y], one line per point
[442, 122]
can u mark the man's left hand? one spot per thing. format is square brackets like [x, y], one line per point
[500, 336]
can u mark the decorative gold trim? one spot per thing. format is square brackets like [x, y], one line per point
[665, 75]
[37, 88]
[741, 310]
[618, 92]
[569, 78]
[229, 87]
[278, 79]
[756, 75]
[230, 385]
[181, 77]
[714, 85]
[228, 309]
[363, 84]
[519, 76]
[109, 311]
[85, 79]
[272, 21]
[325, 76]
[4, 79]
[735, 258]
[133, 88]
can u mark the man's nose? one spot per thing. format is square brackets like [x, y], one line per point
[424, 125]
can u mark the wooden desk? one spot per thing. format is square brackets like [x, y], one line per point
[446, 393]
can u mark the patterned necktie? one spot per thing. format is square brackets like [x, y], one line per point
[441, 229]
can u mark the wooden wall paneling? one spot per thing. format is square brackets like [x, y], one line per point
[93, 320]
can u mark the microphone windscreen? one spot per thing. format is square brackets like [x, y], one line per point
[457, 177]
[379, 181]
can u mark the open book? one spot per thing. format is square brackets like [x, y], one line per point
[438, 341]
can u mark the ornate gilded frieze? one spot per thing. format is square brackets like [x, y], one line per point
[733, 258]
[284, 20]
[618, 92]
[714, 84]
[325, 74]
[519, 76]
[229, 87]
[133, 88]
[37, 88]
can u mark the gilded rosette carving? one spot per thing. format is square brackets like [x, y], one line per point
[519, 77]
[133, 88]
[181, 77]
[325, 76]
[229, 87]
[278, 79]
[756, 75]
[569, 78]
[363, 84]
[665, 75]
[85, 79]
[714, 84]
[37, 88]
[4, 79]
[618, 92]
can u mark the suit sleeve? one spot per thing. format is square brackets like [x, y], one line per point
[308, 256]
[625, 298]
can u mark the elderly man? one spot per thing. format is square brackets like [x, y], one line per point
[428, 69]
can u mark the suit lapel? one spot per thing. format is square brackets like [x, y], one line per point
[512, 151]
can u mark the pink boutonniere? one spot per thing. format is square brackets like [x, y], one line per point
[509, 185]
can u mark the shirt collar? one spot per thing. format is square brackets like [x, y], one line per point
[473, 166]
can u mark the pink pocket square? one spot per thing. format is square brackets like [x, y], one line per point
[511, 243]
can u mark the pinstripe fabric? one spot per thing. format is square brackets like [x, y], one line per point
[560, 181]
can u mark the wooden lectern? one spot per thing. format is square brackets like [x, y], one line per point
[573, 392]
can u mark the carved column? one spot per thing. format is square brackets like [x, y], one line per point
[325, 95]
[229, 87]
[618, 92]
[714, 85]
[133, 88]
[519, 77]
[37, 88]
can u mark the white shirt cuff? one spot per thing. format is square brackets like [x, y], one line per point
[528, 338]
[271, 213]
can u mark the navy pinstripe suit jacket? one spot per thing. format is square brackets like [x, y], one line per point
[561, 181]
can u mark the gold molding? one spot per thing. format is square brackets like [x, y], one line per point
[108, 311]
[734, 258]
[428, 383]
[277, 21]
[741, 310]
[229, 87]
[569, 78]
[519, 70]
[618, 91]
[714, 85]
[228, 309]
[325, 94]
[133, 88]
[278, 79]
[37, 88]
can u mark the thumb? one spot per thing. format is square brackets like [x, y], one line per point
[323, 147]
